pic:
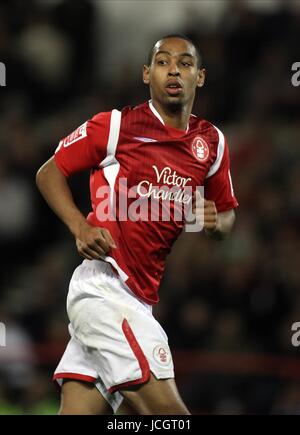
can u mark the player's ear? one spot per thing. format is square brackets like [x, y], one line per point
[201, 78]
[146, 74]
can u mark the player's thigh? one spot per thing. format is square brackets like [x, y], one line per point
[156, 397]
[82, 398]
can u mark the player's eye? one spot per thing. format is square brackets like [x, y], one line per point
[162, 62]
[187, 64]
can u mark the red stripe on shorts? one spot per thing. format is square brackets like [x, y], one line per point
[140, 356]
[76, 376]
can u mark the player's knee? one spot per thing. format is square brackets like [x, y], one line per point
[65, 410]
[174, 407]
[77, 410]
[159, 406]
[74, 410]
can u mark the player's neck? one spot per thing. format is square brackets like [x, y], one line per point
[176, 119]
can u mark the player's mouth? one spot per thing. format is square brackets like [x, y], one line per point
[173, 87]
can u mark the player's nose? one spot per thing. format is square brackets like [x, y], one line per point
[173, 70]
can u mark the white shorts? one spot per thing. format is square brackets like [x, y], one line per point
[115, 340]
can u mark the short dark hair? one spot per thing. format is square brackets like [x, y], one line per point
[180, 36]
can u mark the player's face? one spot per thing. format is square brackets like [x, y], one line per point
[173, 75]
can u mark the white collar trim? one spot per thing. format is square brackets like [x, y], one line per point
[155, 113]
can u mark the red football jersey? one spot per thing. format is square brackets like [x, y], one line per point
[134, 151]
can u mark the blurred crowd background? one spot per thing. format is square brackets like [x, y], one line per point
[228, 307]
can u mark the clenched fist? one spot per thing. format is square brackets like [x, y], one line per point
[205, 212]
[93, 242]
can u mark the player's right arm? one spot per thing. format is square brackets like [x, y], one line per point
[92, 242]
[73, 155]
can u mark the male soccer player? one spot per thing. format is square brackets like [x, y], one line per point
[118, 351]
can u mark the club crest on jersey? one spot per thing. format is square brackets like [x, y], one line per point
[200, 149]
[162, 354]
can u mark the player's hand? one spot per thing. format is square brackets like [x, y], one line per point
[205, 212]
[93, 242]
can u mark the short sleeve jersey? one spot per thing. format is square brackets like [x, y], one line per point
[146, 172]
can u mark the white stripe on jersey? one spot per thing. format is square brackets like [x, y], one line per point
[111, 168]
[230, 181]
[221, 147]
[110, 164]
[114, 131]
[155, 112]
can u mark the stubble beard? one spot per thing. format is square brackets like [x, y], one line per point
[174, 106]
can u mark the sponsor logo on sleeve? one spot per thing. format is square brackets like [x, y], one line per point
[78, 134]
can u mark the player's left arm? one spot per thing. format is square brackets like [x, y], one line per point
[219, 199]
[217, 225]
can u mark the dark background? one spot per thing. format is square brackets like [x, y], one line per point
[228, 307]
